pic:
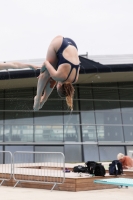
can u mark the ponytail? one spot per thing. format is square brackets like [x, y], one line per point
[69, 90]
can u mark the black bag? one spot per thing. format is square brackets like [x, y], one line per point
[115, 168]
[95, 168]
[80, 169]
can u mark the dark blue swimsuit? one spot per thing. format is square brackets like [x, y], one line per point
[62, 60]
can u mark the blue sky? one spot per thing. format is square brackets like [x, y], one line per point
[99, 27]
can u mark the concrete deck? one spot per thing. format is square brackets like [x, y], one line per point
[9, 193]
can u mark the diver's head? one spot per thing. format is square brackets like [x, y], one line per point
[61, 90]
[66, 90]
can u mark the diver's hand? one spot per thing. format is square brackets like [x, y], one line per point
[43, 69]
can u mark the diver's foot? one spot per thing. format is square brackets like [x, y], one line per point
[42, 102]
[36, 105]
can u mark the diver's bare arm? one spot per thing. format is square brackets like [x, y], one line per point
[23, 65]
[17, 65]
[53, 73]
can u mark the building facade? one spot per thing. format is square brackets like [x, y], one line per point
[100, 127]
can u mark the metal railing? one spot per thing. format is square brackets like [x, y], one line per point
[39, 167]
[5, 169]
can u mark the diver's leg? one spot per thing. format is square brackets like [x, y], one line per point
[47, 91]
[42, 81]
[51, 55]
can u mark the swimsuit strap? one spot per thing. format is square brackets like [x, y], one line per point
[73, 66]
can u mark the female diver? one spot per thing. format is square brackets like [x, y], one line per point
[61, 68]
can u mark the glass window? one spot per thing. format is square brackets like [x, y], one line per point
[126, 93]
[128, 133]
[50, 158]
[100, 133]
[73, 153]
[1, 117]
[20, 158]
[105, 93]
[1, 155]
[19, 117]
[72, 133]
[1, 133]
[126, 106]
[1, 106]
[48, 118]
[1, 93]
[18, 133]
[110, 133]
[71, 127]
[105, 85]
[90, 152]
[104, 98]
[125, 85]
[85, 92]
[49, 133]
[54, 95]
[87, 118]
[19, 93]
[98, 114]
[49, 149]
[89, 133]
[109, 153]
[1, 103]
[129, 150]
[85, 96]
[86, 105]
[107, 105]
[108, 118]
[53, 104]
[1, 99]
[19, 104]
[127, 118]
[71, 117]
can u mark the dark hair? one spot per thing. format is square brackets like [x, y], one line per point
[67, 91]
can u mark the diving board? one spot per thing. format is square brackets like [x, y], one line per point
[116, 181]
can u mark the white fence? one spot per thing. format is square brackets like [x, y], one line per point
[35, 167]
[5, 169]
[48, 167]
